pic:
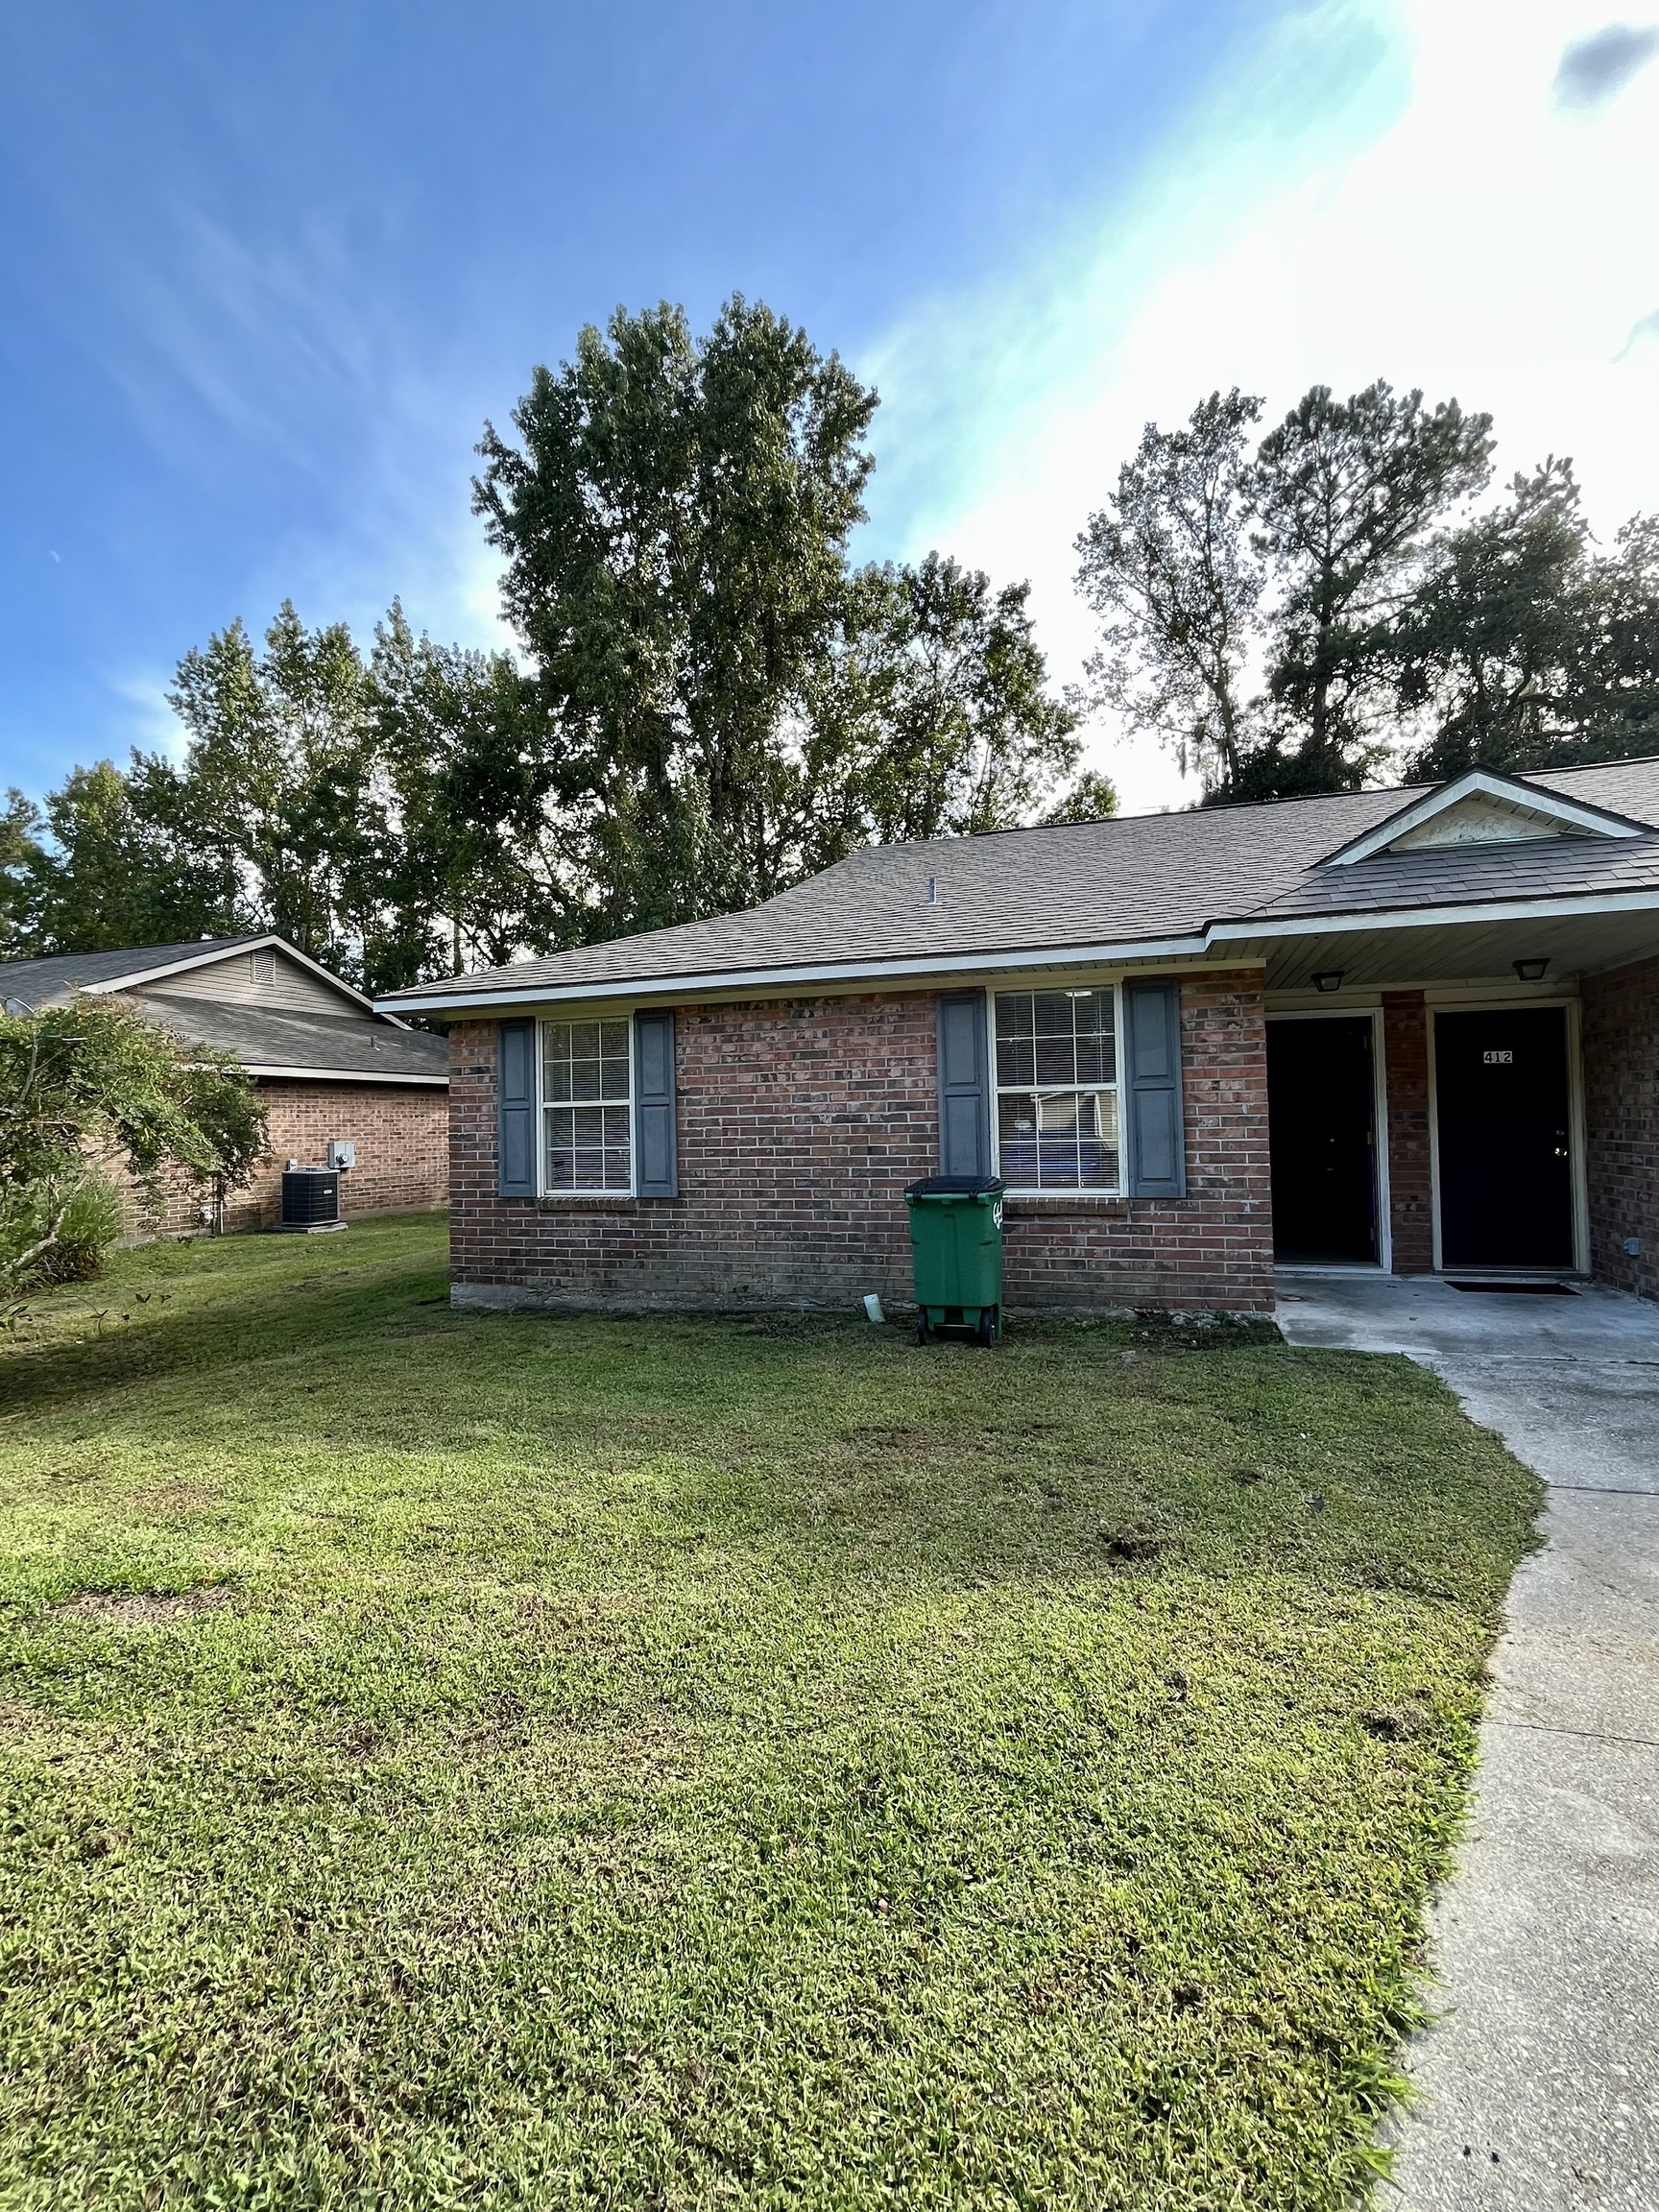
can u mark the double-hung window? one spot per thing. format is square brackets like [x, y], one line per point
[1057, 1090]
[586, 1106]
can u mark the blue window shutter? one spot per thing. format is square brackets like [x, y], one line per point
[1157, 1151]
[516, 1108]
[655, 1153]
[963, 1086]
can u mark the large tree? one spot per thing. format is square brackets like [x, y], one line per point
[1525, 646]
[1169, 567]
[726, 702]
[484, 822]
[115, 873]
[1248, 598]
[22, 860]
[712, 701]
[675, 518]
[1481, 649]
[1347, 493]
[276, 788]
[931, 718]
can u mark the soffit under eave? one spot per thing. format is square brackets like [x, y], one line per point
[1452, 951]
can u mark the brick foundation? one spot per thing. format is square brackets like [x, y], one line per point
[1620, 1049]
[802, 1120]
[401, 1132]
[1411, 1174]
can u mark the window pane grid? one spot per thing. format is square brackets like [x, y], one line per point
[1056, 1089]
[586, 1115]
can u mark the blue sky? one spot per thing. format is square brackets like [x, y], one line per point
[263, 274]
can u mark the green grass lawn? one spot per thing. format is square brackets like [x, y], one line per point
[464, 1761]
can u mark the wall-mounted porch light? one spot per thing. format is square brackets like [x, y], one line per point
[1328, 979]
[1531, 970]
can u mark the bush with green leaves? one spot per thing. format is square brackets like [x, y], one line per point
[93, 1091]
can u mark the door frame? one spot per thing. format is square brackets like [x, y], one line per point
[1384, 1263]
[1578, 1180]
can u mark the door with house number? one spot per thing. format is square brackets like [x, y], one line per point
[1504, 1126]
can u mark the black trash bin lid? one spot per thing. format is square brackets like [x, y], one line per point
[956, 1187]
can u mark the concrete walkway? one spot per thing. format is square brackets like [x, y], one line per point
[1540, 2087]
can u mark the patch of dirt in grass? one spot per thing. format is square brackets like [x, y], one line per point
[142, 1608]
[359, 1740]
[1136, 1545]
[177, 1498]
[787, 1324]
[1398, 1724]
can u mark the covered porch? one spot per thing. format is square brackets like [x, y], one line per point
[1478, 1095]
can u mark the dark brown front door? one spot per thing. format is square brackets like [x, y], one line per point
[1505, 1144]
[1321, 1140]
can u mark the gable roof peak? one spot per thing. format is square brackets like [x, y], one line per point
[1484, 806]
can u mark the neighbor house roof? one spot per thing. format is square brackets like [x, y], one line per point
[55, 979]
[268, 1043]
[357, 1041]
[1141, 886]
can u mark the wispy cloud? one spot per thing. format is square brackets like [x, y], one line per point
[150, 722]
[1593, 69]
[1646, 327]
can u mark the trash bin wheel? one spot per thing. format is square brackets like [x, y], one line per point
[987, 1325]
[920, 1328]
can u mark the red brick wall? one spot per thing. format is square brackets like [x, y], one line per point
[1410, 1179]
[1620, 1036]
[802, 1120]
[402, 1138]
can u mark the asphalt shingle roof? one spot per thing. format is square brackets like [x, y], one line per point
[1137, 878]
[58, 976]
[1457, 875]
[347, 1042]
[338, 1043]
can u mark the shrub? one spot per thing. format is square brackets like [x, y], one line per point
[92, 1088]
[93, 1217]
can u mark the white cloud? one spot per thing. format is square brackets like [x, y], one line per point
[1444, 223]
[148, 721]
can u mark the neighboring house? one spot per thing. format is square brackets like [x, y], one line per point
[327, 1065]
[1407, 1029]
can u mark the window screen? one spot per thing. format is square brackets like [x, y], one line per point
[586, 1106]
[1057, 1091]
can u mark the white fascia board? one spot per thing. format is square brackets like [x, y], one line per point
[341, 1075]
[1437, 916]
[727, 982]
[1572, 813]
[1215, 939]
[142, 975]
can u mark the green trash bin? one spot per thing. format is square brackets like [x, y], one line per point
[956, 1253]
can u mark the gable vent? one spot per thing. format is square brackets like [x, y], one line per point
[1482, 807]
[265, 966]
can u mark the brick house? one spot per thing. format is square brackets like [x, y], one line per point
[327, 1065]
[1409, 1030]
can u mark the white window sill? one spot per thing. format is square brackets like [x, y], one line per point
[587, 1197]
[1068, 1197]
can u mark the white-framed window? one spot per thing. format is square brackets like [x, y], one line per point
[586, 1106]
[1055, 1057]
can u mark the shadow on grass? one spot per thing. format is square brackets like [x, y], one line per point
[164, 1309]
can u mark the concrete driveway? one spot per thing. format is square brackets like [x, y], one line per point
[1540, 2087]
